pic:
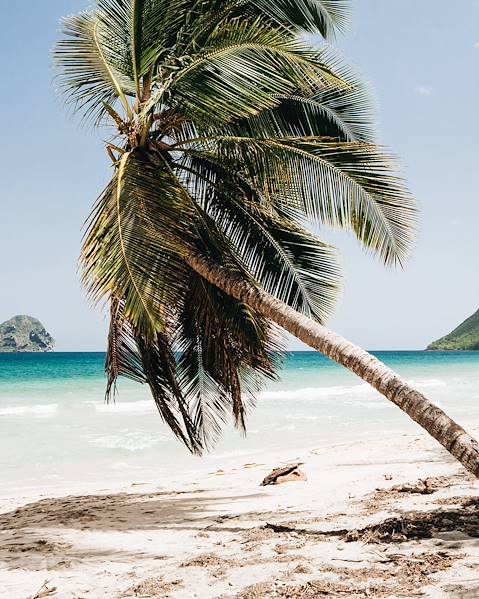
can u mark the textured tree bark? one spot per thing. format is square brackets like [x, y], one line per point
[436, 422]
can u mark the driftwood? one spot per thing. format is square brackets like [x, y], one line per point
[286, 474]
[424, 487]
[43, 591]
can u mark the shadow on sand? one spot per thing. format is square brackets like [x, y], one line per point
[27, 540]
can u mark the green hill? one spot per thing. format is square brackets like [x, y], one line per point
[464, 337]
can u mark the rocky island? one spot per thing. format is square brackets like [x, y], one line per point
[24, 334]
[465, 337]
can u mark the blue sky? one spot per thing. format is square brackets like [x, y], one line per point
[422, 61]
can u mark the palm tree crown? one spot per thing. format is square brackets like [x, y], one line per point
[232, 136]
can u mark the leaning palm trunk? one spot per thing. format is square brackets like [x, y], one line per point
[438, 424]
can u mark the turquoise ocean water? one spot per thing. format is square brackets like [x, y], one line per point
[55, 427]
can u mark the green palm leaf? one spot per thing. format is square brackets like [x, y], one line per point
[288, 261]
[89, 77]
[133, 356]
[341, 184]
[244, 67]
[323, 16]
[138, 228]
[344, 112]
[226, 352]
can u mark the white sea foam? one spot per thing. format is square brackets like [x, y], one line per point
[42, 411]
[348, 391]
[127, 407]
[428, 383]
[129, 441]
[312, 393]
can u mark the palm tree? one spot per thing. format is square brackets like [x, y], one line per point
[230, 137]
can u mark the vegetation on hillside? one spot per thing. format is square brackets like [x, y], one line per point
[464, 337]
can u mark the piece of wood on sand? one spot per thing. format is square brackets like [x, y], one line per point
[285, 474]
[43, 591]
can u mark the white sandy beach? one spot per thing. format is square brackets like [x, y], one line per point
[217, 536]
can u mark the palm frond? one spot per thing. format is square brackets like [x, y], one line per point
[344, 112]
[88, 74]
[285, 259]
[148, 29]
[122, 358]
[316, 16]
[159, 364]
[226, 351]
[241, 71]
[135, 240]
[130, 354]
[326, 17]
[342, 184]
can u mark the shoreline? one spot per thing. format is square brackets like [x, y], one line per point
[221, 534]
[201, 467]
[183, 476]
